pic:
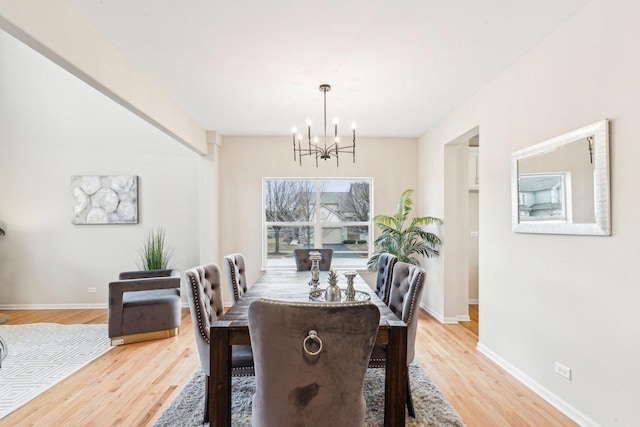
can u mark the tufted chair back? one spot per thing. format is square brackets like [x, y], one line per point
[310, 362]
[235, 270]
[303, 263]
[386, 262]
[404, 299]
[205, 304]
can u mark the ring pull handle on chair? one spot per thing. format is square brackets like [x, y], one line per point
[313, 336]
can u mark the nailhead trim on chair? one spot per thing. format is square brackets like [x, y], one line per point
[411, 306]
[315, 304]
[196, 303]
[413, 300]
[234, 280]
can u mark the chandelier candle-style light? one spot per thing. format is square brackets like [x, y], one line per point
[325, 151]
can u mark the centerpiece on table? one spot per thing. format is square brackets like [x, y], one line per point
[333, 292]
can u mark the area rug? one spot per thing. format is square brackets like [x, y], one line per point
[432, 409]
[43, 354]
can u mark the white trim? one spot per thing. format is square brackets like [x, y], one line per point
[538, 389]
[52, 306]
[82, 306]
[438, 316]
[463, 318]
[474, 301]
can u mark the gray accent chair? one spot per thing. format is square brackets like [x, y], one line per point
[236, 273]
[386, 262]
[296, 387]
[144, 305]
[4, 350]
[404, 300]
[204, 291]
[303, 263]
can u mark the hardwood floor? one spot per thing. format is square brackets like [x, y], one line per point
[133, 384]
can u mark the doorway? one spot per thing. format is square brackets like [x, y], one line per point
[461, 207]
[473, 254]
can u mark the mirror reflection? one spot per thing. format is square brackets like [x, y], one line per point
[561, 186]
[543, 197]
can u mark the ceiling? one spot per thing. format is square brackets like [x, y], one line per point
[253, 67]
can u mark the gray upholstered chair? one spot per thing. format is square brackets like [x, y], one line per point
[235, 270]
[300, 381]
[303, 263]
[404, 300]
[4, 350]
[144, 305]
[204, 292]
[386, 262]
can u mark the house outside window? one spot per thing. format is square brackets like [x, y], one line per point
[317, 213]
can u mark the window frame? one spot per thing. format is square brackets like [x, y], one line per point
[317, 224]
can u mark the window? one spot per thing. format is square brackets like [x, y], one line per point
[316, 213]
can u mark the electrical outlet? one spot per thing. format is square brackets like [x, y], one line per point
[91, 290]
[564, 371]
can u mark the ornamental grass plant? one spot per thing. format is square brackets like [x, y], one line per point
[154, 254]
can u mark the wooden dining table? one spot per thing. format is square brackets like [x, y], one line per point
[233, 329]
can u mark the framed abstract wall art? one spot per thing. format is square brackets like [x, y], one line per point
[104, 199]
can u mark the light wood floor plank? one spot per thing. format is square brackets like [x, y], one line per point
[133, 384]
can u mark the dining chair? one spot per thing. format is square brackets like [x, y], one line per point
[234, 267]
[310, 362]
[303, 263]
[204, 292]
[386, 262]
[404, 300]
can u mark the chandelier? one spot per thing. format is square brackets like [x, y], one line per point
[323, 151]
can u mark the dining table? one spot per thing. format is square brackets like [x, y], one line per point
[232, 328]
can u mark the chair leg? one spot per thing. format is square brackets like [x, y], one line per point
[206, 399]
[412, 413]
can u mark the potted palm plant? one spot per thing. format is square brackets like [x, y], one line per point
[404, 242]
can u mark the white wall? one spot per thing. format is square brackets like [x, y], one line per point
[244, 161]
[53, 126]
[577, 302]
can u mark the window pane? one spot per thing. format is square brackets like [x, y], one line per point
[289, 200]
[349, 244]
[281, 241]
[344, 200]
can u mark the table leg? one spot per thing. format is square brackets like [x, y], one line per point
[220, 381]
[396, 376]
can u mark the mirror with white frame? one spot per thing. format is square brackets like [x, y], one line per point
[561, 186]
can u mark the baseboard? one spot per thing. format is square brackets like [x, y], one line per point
[52, 306]
[570, 411]
[438, 316]
[474, 301]
[83, 306]
[463, 318]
